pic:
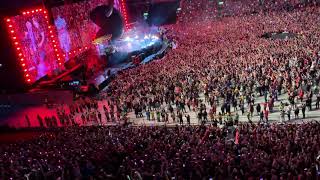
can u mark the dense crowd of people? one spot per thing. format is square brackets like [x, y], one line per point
[231, 66]
[219, 68]
[250, 151]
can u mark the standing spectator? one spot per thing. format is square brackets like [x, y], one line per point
[258, 108]
[296, 112]
[28, 121]
[303, 110]
[188, 119]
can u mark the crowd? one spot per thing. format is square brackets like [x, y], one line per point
[231, 66]
[219, 68]
[243, 151]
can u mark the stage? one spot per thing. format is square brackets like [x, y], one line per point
[134, 49]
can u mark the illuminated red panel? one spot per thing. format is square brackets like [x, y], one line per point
[124, 12]
[33, 40]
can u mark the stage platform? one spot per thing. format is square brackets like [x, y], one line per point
[103, 78]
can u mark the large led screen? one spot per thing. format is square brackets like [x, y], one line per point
[75, 29]
[32, 37]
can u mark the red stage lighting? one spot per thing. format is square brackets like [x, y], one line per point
[24, 13]
[18, 48]
[23, 64]
[32, 11]
[12, 31]
[28, 80]
[8, 20]
[124, 11]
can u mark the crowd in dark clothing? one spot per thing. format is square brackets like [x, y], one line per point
[243, 151]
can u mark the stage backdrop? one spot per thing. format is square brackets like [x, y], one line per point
[31, 33]
[75, 29]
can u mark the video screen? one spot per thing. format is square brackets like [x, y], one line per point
[75, 29]
[32, 33]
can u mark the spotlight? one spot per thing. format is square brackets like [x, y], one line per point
[127, 39]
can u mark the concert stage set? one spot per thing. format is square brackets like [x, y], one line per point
[60, 48]
[136, 47]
